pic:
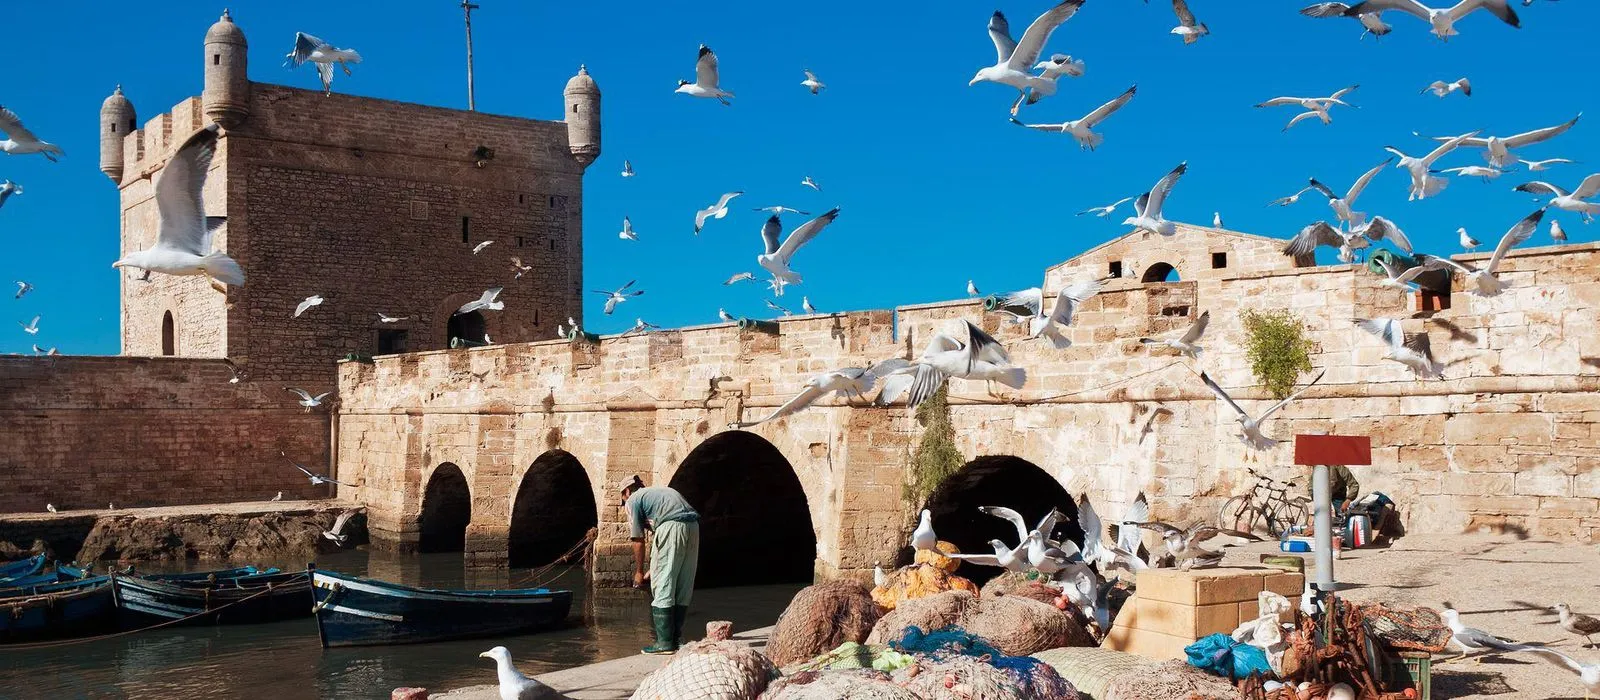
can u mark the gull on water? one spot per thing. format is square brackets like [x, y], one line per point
[479, 247]
[977, 357]
[1573, 201]
[7, 189]
[516, 264]
[780, 209]
[337, 533]
[705, 79]
[1188, 28]
[19, 141]
[1185, 344]
[1250, 427]
[1497, 149]
[22, 288]
[627, 168]
[1484, 282]
[514, 685]
[31, 327]
[1081, 129]
[1016, 58]
[1538, 165]
[741, 277]
[323, 54]
[488, 302]
[808, 182]
[306, 399]
[308, 302]
[972, 289]
[848, 383]
[811, 81]
[316, 479]
[1413, 350]
[1107, 209]
[923, 537]
[385, 318]
[1314, 106]
[1556, 232]
[627, 233]
[617, 297]
[183, 235]
[1441, 19]
[1442, 88]
[778, 256]
[1344, 207]
[715, 211]
[1424, 185]
[1147, 208]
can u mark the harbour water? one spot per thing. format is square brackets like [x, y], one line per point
[284, 660]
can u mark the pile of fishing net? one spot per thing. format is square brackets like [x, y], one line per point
[856, 684]
[709, 670]
[1408, 629]
[1092, 669]
[819, 618]
[1169, 680]
[953, 663]
[1013, 624]
[930, 573]
[1030, 585]
[851, 656]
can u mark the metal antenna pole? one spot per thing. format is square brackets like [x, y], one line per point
[466, 9]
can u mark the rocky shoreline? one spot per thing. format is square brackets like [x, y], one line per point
[254, 532]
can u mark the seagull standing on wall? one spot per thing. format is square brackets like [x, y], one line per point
[972, 289]
[323, 54]
[20, 141]
[705, 79]
[1016, 59]
[183, 236]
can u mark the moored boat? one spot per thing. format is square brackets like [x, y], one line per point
[21, 567]
[355, 611]
[71, 609]
[142, 602]
[24, 585]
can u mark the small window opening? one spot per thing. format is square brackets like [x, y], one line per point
[1432, 301]
[535, 317]
[519, 199]
[519, 241]
[391, 341]
[169, 344]
[216, 59]
[552, 244]
[466, 228]
[1115, 268]
[574, 108]
[1175, 311]
[113, 128]
[1219, 261]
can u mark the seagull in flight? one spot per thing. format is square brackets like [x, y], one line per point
[741, 277]
[1314, 106]
[1058, 65]
[323, 54]
[775, 307]
[1468, 243]
[308, 302]
[1441, 19]
[1574, 201]
[1588, 674]
[479, 247]
[1049, 325]
[715, 211]
[1497, 149]
[1484, 282]
[1188, 28]
[41, 351]
[1538, 165]
[1081, 128]
[488, 302]
[306, 399]
[183, 236]
[31, 327]
[385, 318]
[808, 182]
[1424, 185]
[1372, 21]
[1185, 344]
[516, 264]
[1184, 545]
[627, 233]
[1008, 558]
[1413, 351]
[239, 373]
[811, 82]
[23, 288]
[1442, 88]
[1147, 208]
[7, 189]
[778, 256]
[705, 79]
[1347, 241]
[1016, 59]
[1107, 209]
[977, 357]
[1343, 207]
[617, 297]
[848, 383]
[316, 479]
[337, 534]
[780, 209]
[20, 141]
[627, 168]
[1250, 427]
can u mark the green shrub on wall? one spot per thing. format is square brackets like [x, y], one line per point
[935, 457]
[1277, 347]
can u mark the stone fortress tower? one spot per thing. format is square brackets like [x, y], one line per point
[375, 205]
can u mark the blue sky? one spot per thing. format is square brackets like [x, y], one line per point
[936, 187]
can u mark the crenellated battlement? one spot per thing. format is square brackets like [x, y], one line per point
[145, 151]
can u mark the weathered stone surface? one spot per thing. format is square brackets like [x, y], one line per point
[216, 536]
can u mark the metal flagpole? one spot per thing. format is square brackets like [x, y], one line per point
[466, 9]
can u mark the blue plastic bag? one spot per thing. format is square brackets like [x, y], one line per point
[1221, 655]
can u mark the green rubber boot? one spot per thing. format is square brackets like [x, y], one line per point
[680, 614]
[661, 623]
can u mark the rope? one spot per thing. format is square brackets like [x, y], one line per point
[68, 642]
[587, 539]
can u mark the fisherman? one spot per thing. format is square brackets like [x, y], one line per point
[1342, 488]
[674, 554]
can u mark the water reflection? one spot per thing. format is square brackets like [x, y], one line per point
[284, 659]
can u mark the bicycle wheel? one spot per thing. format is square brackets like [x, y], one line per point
[1283, 519]
[1237, 513]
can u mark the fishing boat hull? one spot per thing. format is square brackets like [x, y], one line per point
[143, 602]
[72, 609]
[22, 567]
[353, 611]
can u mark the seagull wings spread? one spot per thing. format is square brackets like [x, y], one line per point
[178, 201]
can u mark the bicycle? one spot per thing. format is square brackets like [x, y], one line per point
[1267, 504]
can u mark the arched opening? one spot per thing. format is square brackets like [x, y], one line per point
[467, 326]
[1159, 272]
[446, 510]
[1003, 480]
[554, 509]
[169, 342]
[755, 526]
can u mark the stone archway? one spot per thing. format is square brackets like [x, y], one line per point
[1159, 272]
[553, 510]
[1000, 480]
[469, 326]
[446, 510]
[755, 524]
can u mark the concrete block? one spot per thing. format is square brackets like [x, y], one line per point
[1151, 645]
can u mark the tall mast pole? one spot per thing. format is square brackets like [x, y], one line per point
[466, 9]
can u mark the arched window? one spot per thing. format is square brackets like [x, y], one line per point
[1159, 272]
[169, 344]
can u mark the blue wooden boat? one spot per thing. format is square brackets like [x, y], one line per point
[142, 602]
[60, 574]
[22, 567]
[204, 576]
[354, 611]
[71, 609]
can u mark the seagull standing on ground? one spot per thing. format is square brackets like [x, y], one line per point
[1471, 639]
[1497, 149]
[1315, 106]
[715, 211]
[308, 302]
[848, 383]
[705, 79]
[1015, 58]
[1412, 350]
[972, 289]
[488, 302]
[1081, 128]
[1571, 201]
[1344, 207]
[22, 288]
[7, 189]
[31, 327]
[20, 141]
[1250, 428]
[1442, 88]
[323, 54]
[183, 237]
[1186, 343]
[1485, 282]
[1107, 209]
[514, 685]
[1424, 185]
[306, 399]
[812, 83]
[778, 256]
[316, 479]
[1581, 625]
[1188, 28]
[1147, 208]
[617, 297]
[627, 233]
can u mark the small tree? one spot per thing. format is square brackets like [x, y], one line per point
[936, 457]
[1278, 349]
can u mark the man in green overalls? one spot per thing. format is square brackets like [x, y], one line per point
[674, 555]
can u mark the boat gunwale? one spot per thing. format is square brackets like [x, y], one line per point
[398, 590]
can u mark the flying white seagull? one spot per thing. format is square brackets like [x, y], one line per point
[1344, 207]
[306, 399]
[308, 302]
[323, 54]
[488, 302]
[1060, 317]
[479, 247]
[1188, 28]
[1147, 208]
[1315, 106]
[977, 357]
[1008, 558]
[1573, 201]
[1485, 172]
[1372, 21]
[1016, 58]
[705, 79]
[1413, 351]
[808, 182]
[1468, 243]
[1107, 209]
[386, 318]
[780, 209]
[848, 383]
[1442, 88]
[741, 277]
[1538, 165]
[337, 534]
[316, 479]
[1081, 128]
[715, 211]
[183, 236]
[1485, 282]
[20, 141]
[627, 233]
[1442, 19]
[1497, 149]
[778, 256]
[1250, 428]
[516, 264]
[23, 288]
[31, 327]
[1185, 344]
[775, 307]
[7, 189]
[1347, 241]
[1058, 65]
[627, 168]
[617, 297]
[1424, 185]
[812, 83]
[41, 351]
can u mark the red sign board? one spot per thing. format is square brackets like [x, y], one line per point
[1312, 450]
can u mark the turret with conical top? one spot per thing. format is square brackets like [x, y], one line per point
[117, 120]
[227, 92]
[583, 117]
